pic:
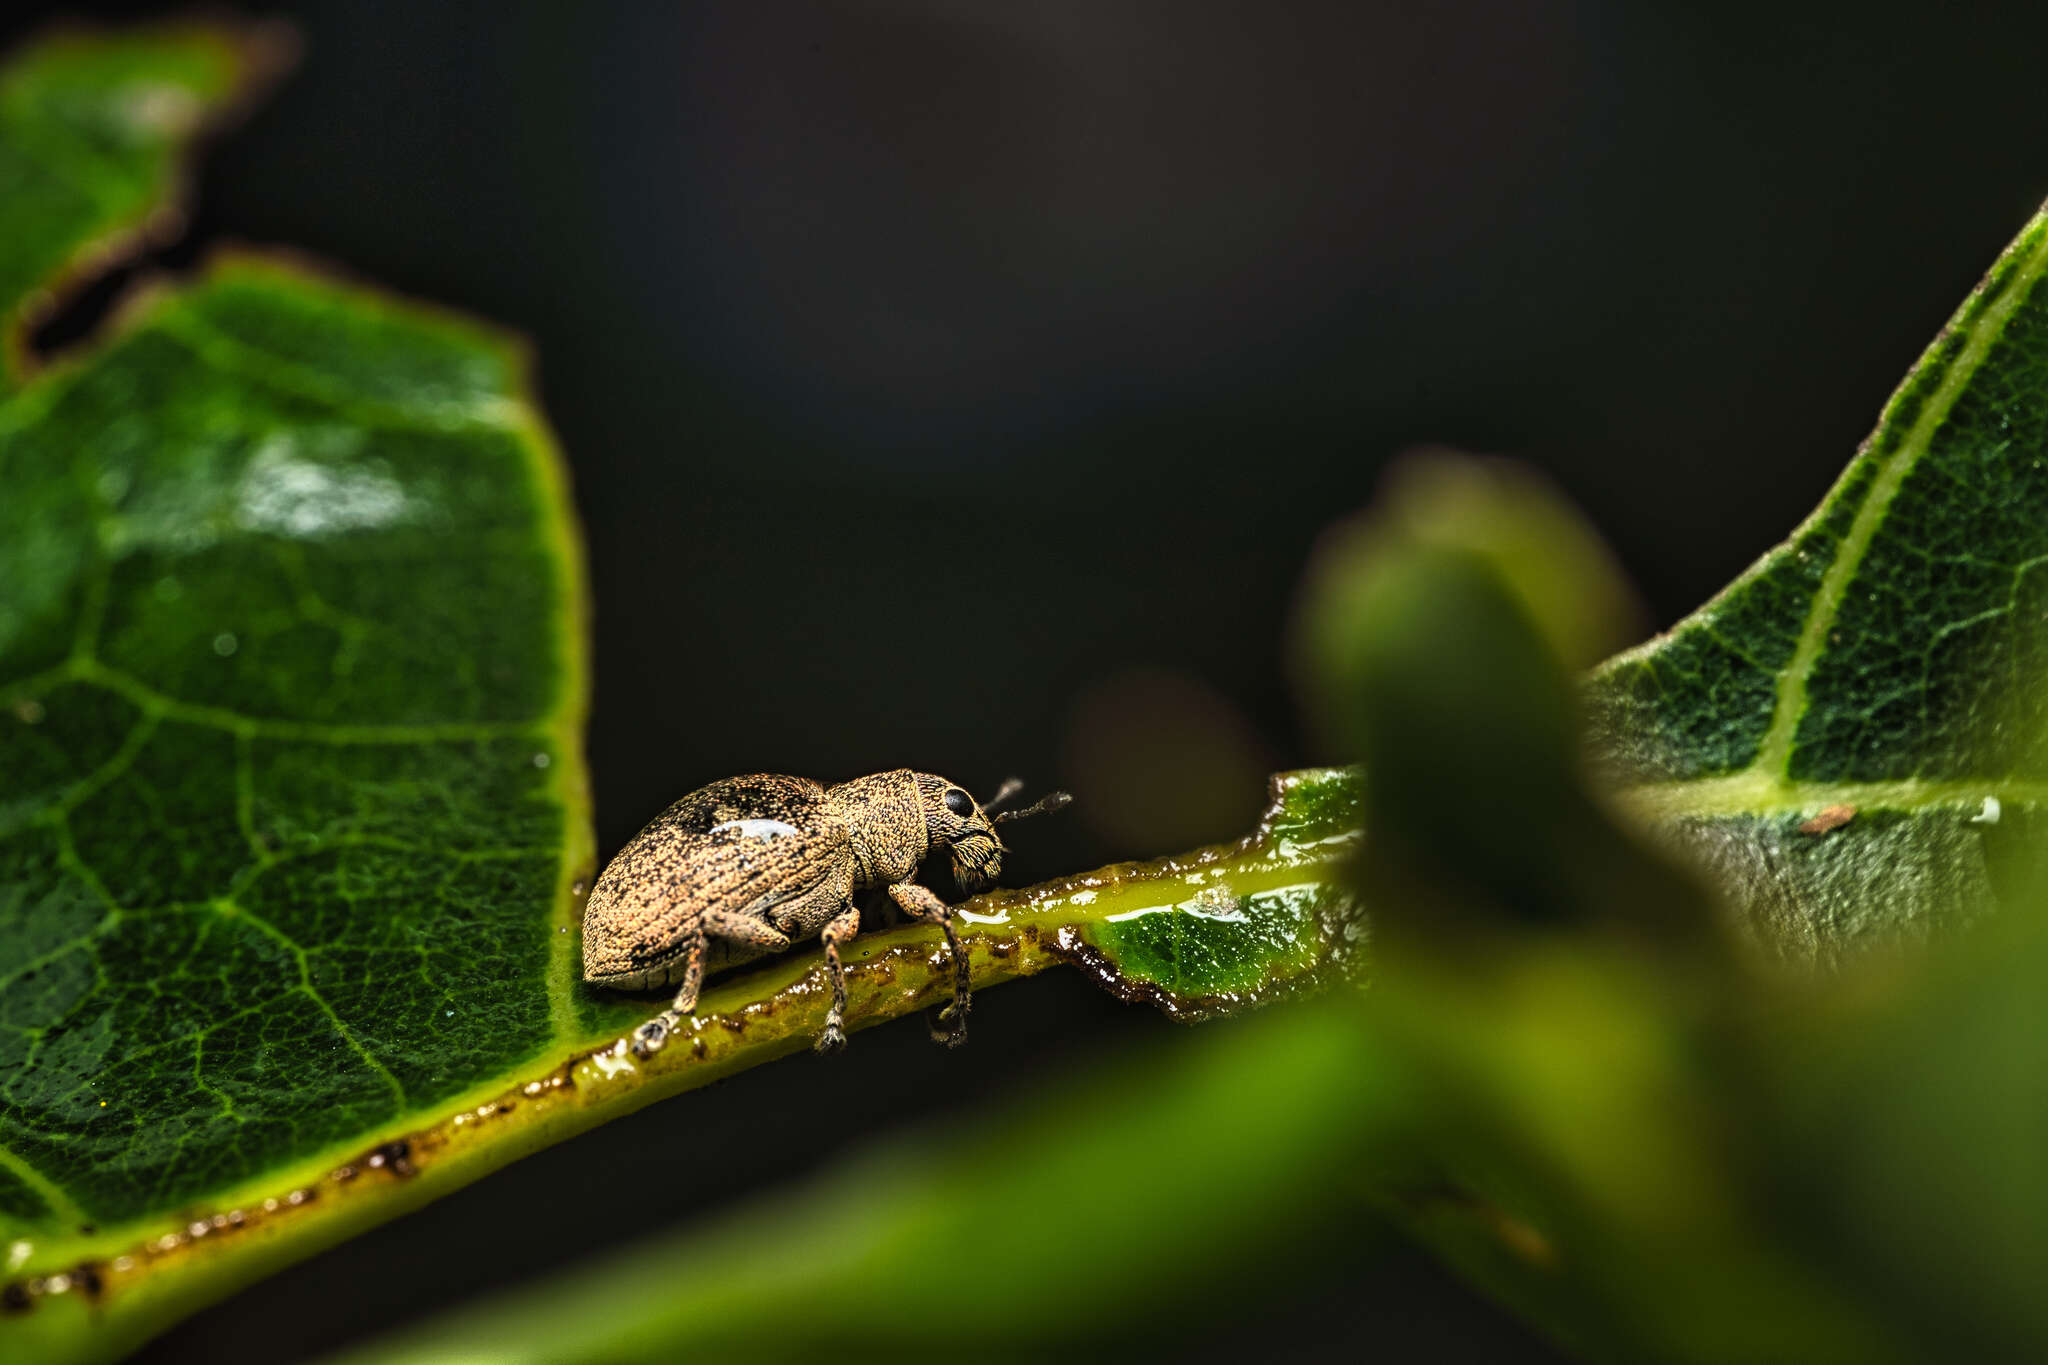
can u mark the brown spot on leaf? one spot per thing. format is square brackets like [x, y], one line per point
[1526, 1241]
[1831, 818]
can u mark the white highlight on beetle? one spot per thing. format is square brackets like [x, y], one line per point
[756, 829]
[1989, 814]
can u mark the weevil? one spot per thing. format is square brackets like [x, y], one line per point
[749, 866]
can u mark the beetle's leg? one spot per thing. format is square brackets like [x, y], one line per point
[744, 929]
[650, 1037]
[837, 930]
[920, 903]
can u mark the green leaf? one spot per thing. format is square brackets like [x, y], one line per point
[1241, 936]
[291, 687]
[1940, 1202]
[1717, 1164]
[92, 129]
[284, 831]
[1542, 978]
[1442, 628]
[1886, 660]
[291, 691]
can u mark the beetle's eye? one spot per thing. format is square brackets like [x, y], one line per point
[959, 802]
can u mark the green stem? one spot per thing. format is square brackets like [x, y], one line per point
[101, 1306]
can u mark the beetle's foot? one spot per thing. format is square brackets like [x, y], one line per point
[947, 1025]
[832, 1037]
[650, 1037]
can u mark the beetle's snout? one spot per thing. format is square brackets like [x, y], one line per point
[977, 862]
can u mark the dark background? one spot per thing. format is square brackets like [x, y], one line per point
[963, 385]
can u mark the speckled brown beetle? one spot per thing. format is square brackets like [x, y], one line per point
[748, 866]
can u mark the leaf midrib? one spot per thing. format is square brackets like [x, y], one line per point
[1764, 786]
[1754, 792]
[1774, 755]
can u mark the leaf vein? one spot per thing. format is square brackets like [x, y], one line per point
[1774, 755]
[231, 355]
[234, 909]
[52, 1193]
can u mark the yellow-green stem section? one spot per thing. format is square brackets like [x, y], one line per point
[95, 1298]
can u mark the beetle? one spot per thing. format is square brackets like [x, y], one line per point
[750, 865]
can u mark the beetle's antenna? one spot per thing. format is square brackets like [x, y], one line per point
[1044, 805]
[1011, 786]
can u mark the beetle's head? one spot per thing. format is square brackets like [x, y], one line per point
[966, 829]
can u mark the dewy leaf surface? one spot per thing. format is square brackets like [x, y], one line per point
[282, 832]
[1886, 662]
[291, 688]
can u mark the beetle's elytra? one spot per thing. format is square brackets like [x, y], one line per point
[750, 865]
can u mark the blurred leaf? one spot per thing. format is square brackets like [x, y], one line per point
[92, 129]
[1910, 1111]
[1135, 1212]
[1648, 1153]
[1553, 988]
[1441, 627]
